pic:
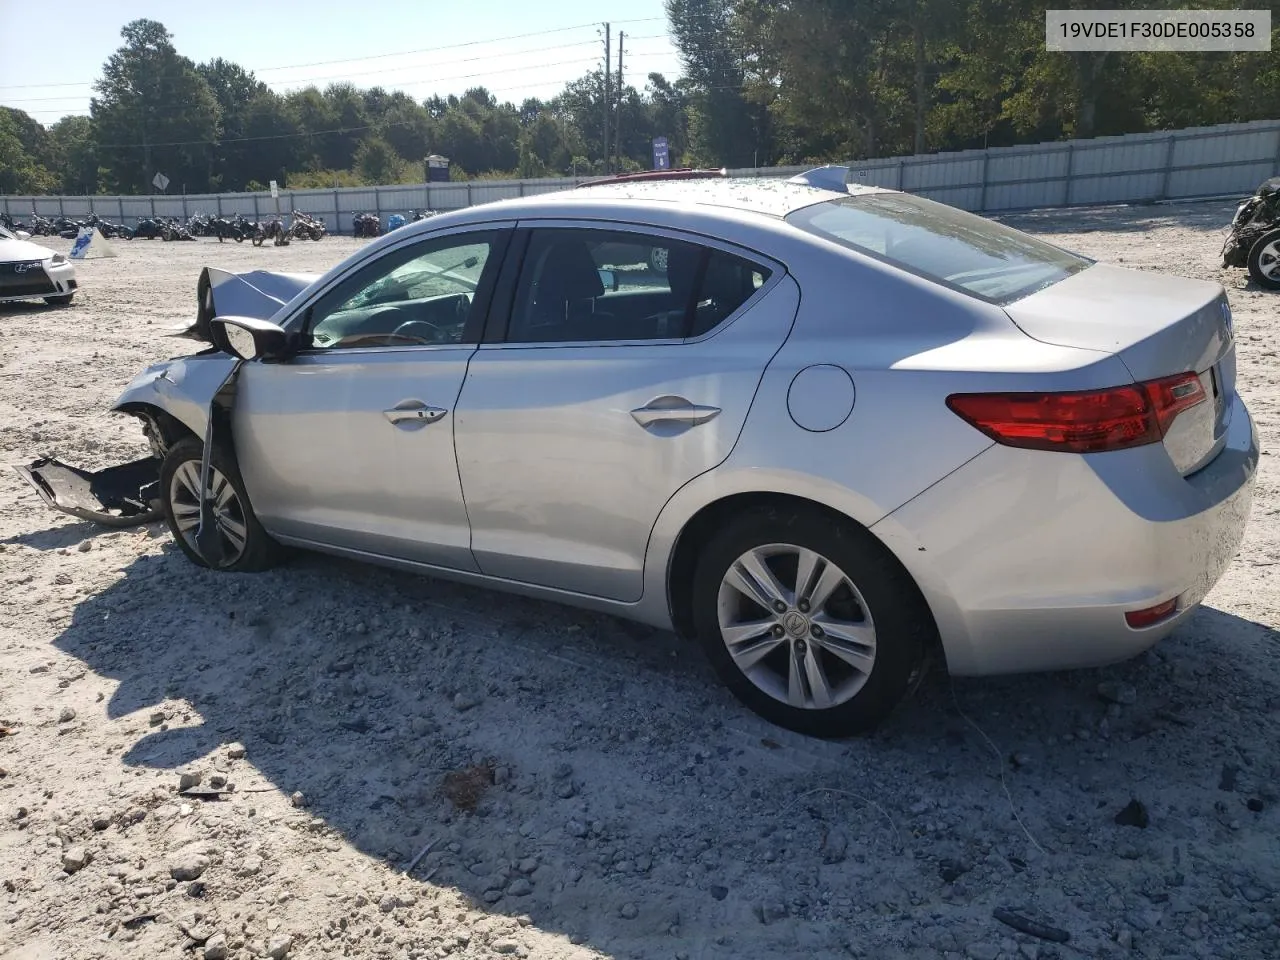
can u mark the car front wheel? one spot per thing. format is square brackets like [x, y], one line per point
[245, 545]
[810, 623]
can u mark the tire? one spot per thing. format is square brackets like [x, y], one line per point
[62, 301]
[1264, 260]
[178, 496]
[874, 603]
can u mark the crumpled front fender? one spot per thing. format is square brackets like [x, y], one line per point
[182, 388]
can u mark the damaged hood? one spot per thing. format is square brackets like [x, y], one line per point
[255, 293]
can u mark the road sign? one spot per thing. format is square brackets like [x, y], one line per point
[160, 181]
[275, 190]
[661, 154]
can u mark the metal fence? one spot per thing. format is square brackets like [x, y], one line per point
[1230, 159]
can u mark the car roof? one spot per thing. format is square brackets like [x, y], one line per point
[770, 196]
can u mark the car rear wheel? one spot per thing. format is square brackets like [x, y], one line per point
[811, 624]
[245, 545]
[1264, 260]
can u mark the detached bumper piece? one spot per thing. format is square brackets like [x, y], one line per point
[127, 495]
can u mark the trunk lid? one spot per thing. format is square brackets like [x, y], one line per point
[1157, 325]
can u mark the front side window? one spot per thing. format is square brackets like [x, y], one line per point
[959, 249]
[413, 296]
[581, 285]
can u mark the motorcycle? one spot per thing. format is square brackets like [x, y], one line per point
[41, 226]
[12, 225]
[1254, 240]
[273, 230]
[171, 229]
[148, 228]
[109, 230]
[366, 225]
[306, 227]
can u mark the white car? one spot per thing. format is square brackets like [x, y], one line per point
[29, 271]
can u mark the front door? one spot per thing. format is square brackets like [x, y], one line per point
[350, 444]
[628, 366]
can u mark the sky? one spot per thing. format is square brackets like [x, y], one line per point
[516, 48]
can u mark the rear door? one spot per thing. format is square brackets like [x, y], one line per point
[626, 368]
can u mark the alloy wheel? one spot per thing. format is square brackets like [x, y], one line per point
[228, 511]
[796, 626]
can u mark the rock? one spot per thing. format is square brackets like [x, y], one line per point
[1133, 815]
[189, 780]
[527, 865]
[501, 775]
[278, 948]
[719, 893]
[492, 896]
[562, 771]
[576, 828]
[835, 847]
[520, 887]
[463, 701]
[39, 668]
[67, 715]
[250, 866]
[297, 799]
[1255, 804]
[101, 823]
[982, 951]
[772, 912]
[1117, 691]
[629, 911]
[1227, 781]
[388, 903]
[85, 546]
[188, 866]
[236, 751]
[1125, 939]
[156, 718]
[565, 789]
[217, 781]
[75, 859]
[215, 948]
[952, 870]
[505, 946]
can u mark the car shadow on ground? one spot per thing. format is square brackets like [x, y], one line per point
[620, 761]
[55, 538]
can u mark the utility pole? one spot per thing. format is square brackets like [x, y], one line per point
[608, 66]
[617, 134]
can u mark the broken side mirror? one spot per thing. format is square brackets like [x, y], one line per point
[249, 338]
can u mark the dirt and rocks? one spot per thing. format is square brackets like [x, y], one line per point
[333, 760]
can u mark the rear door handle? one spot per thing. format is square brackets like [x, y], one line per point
[414, 412]
[673, 410]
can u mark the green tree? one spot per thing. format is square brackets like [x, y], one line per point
[153, 113]
[376, 161]
[20, 171]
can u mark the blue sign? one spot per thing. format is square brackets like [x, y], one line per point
[661, 155]
[82, 242]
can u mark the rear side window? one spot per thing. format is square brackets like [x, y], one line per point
[961, 250]
[583, 285]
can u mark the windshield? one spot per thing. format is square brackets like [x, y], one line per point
[961, 250]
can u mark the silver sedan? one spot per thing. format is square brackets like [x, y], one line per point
[828, 431]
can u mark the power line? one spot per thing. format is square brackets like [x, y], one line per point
[375, 56]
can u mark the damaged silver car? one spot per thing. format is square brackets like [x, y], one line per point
[830, 431]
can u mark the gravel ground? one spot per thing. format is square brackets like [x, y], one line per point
[586, 786]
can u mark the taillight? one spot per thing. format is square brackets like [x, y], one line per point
[1085, 421]
[1149, 616]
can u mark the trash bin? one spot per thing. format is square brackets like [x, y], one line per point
[395, 220]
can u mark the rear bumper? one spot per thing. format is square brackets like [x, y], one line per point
[1030, 560]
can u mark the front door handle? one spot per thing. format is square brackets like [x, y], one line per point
[673, 410]
[414, 412]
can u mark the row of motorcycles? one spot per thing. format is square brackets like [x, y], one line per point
[238, 228]
[370, 225]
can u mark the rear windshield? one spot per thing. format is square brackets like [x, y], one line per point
[961, 250]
